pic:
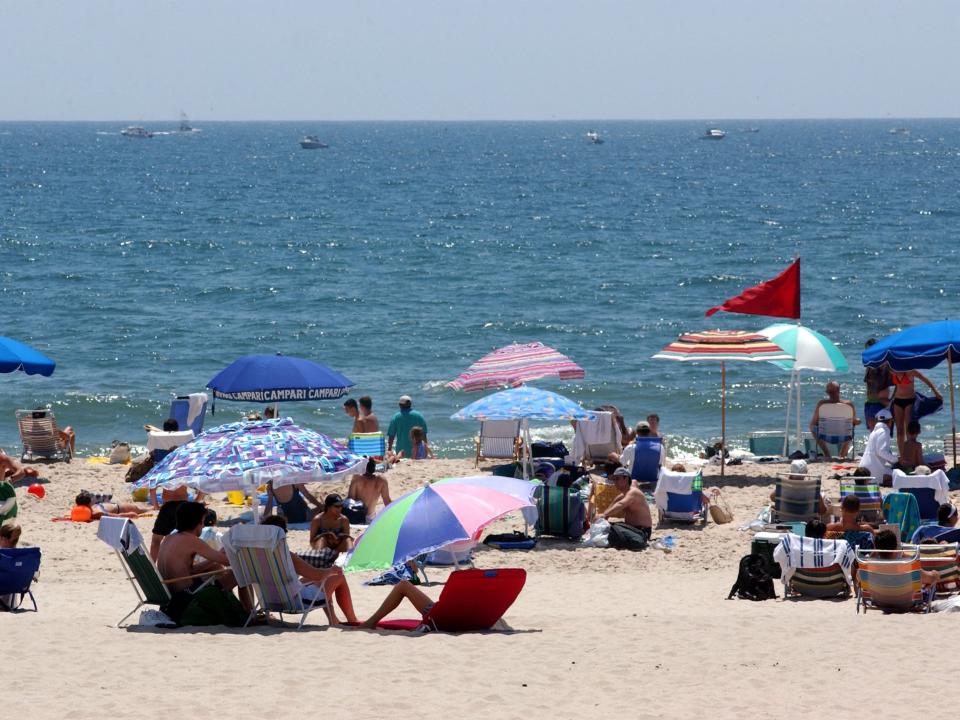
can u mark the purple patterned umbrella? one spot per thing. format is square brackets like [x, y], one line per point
[242, 455]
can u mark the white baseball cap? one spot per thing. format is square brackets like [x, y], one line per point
[884, 415]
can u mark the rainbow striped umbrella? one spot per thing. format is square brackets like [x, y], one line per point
[721, 346]
[514, 365]
[451, 510]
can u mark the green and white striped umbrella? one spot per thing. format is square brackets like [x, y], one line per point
[810, 349]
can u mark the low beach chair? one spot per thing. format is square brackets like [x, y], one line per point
[835, 427]
[40, 436]
[498, 439]
[815, 568]
[371, 445]
[593, 440]
[942, 559]
[190, 411]
[646, 459]
[471, 601]
[796, 498]
[18, 570]
[679, 497]
[929, 490]
[259, 556]
[871, 501]
[890, 580]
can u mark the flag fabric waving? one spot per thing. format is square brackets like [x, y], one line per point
[779, 297]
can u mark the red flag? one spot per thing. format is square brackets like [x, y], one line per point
[779, 297]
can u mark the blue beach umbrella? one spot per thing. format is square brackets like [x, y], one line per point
[17, 356]
[278, 378]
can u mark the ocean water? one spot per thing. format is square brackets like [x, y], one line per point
[407, 250]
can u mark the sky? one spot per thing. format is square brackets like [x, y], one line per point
[477, 60]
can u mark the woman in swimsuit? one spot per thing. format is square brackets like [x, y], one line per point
[331, 529]
[904, 394]
[291, 503]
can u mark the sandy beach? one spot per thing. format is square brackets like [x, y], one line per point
[597, 632]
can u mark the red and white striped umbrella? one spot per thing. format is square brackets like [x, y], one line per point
[514, 365]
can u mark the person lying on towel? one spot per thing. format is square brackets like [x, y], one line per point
[631, 504]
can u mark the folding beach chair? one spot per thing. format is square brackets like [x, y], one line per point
[498, 439]
[646, 459]
[259, 556]
[161, 443]
[929, 490]
[900, 508]
[18, 569]
[942, 559]
[679, 496]
[835, 427]
[371, 445]
[890, 580]
[595, 439]
[471, 601]
[871, 501]
[40, 436]
[815, 568]
[796, 498]
[190, 411]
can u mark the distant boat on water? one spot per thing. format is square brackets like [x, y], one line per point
[751, 130]
[594, 137]
[899, 131]
[714, 134]
[312, 142]
[136, 131]
[185, 126]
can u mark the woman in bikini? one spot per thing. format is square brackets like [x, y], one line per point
[904, 394]
[331, 529]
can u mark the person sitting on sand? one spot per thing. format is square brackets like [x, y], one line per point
[369, 489]
[946, 521]
[631, 505]
[877, 454]
[421, 449]
[291, 501]
[850, 517]
[107, 508]
[403, 590]
[331, 581]
[9, 536]
[331, 529]
[912, 456]
[832, 390]
[13, 471]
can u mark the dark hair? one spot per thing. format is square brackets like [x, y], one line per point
[913, 427]
[870, 343]
[171, 425]
[944, 513]
[610, 466]
[366, 403]
[210, 519]
[862, 472]
[332, 499]
[83, 498]
[276, 520]
[11, 532]
[885, 540]
[371, 466]
[851, 503]
[816, 529]
[189, 515]
[350, 403]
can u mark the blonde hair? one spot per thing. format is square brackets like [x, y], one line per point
[416, 433]
[679, 467]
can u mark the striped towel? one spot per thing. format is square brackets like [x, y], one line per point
[802, 552]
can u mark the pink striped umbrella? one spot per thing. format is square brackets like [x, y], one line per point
[514, 365]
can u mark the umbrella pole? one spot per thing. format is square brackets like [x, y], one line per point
[786, 424]
[953, 412]
[799, 431]
[527, 452]
[723, 418]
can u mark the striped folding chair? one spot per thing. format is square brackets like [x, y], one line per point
[796, 498]
[259, 556]
[890, 580]
[871, 501]
[498, 439]
[941, 558]
[814, 568]
[828, 582]
[371, 445]
[835, 426]
[40, 436]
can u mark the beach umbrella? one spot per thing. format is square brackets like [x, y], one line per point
[810, 351]
[524, 403]
[429, 518]
[514, 365]
[277, 378]
[920, 348]
[722, 346]
[244, 455]
[17, 356]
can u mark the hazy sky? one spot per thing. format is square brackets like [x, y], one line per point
[458, 59]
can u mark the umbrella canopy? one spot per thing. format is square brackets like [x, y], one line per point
[809, 349]
[523, 403]
[278, 378]
[17, 356]
[917, 348]
[722, 346]
[429, 518]
[274, 450]
[515, 365]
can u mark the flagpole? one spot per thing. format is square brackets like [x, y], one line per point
[786, 424]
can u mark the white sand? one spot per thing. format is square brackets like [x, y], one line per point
[599, 633]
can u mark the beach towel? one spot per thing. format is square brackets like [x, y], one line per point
[119, 533]
[195, 405]
[937, 481]
[900, 508]
[675, 483]
[594, 435]
[802, 552]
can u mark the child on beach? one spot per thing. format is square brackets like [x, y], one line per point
[9, 535]
[421, 449]
[850, 517]
[912, 456]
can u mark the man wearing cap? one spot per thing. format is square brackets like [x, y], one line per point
[631, 504]
[400, 426]
[643, 430]
[877, 455]
[946, 521]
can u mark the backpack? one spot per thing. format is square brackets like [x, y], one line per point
[754, 581]
[562, 512]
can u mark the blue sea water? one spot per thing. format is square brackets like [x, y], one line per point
[407, 250]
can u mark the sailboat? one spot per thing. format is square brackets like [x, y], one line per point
[185, 126]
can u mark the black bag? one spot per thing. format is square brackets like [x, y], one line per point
[627, 537]
[754, 581]
[355, 511]
[540, 449]
[138, 469]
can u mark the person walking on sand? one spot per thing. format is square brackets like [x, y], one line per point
[400, 426]
[904, 395]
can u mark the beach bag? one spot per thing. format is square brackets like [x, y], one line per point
[355, 511]
[139, 468]
[561, 512]
[754, 581]
[923, 405]
[120, 454]
[541, 449]
[515, 540]
[210, 605]
[625, 537]
[720, 512]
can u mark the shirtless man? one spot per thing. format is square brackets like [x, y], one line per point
[833, 398]
[631, 504]
[369, 488]
[351, 410]
[370, 422]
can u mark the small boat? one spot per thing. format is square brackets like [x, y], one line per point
[594, 137]
[312, 142]
[899, 131]
[751, 130]
[714, 134]
[185, 126]
[136, 131]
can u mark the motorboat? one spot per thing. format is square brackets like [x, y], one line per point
[594, 137]
[136, 131]
[714, 134]
[312, 142]
[899, 131]
[185, 126]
